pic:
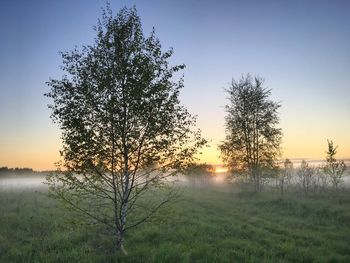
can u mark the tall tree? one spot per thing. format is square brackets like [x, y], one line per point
[334, 169]
[123, 128]
[252, 138]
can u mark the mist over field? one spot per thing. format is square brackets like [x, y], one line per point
[218, 180]
[22, 182]
[223, 180]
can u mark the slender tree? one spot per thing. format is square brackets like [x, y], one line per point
[334, 169]
[285, 175]
[252, 138]
[123, 128]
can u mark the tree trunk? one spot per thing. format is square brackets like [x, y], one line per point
[120, 242]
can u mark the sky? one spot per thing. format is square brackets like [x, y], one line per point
[300, 48]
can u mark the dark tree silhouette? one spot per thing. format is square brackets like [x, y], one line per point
[123, 128]
[252, 139]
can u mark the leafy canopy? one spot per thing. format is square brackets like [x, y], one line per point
[252, 138]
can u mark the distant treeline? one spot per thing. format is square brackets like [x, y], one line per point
[19, 171]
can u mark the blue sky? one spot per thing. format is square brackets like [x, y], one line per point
[301, 48]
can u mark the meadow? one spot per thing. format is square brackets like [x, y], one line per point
[206, 224]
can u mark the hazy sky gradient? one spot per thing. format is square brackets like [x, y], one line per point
[301, 48]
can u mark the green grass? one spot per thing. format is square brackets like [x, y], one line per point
[206, 225]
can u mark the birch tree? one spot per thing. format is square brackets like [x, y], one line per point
[253, 139]
[124, 130]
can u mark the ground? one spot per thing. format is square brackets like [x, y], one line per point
[204, 225]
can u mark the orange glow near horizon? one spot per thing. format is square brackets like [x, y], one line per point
[43, 156]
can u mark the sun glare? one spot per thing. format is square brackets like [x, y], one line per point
[220, 169]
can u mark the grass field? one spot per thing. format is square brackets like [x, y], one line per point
[206, 225]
